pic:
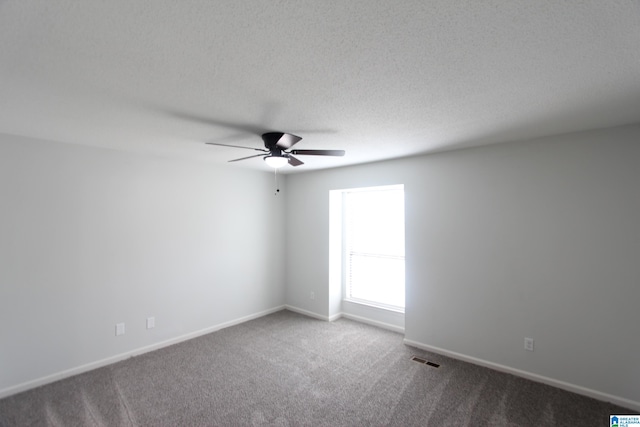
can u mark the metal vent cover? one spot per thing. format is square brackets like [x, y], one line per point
[424, 361]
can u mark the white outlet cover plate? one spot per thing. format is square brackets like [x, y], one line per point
[528, 344]
[119, 329]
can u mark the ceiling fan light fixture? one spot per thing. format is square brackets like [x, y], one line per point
[276, 162]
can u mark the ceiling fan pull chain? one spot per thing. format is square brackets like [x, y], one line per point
[275, 176]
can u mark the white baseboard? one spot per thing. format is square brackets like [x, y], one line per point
[382, 325]
[307, 313]
[117, 358]
[346, 316]
[335, 317]
[621, 401]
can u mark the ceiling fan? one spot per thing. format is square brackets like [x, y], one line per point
[278, 150]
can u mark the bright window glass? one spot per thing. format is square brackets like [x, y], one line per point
[373, 255]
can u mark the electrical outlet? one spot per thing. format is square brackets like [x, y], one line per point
[151, 322]
[119, 329]
[528, 344]
[312, 295]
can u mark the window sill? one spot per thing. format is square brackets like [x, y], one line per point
[375, 305]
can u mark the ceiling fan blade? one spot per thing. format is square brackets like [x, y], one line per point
[288, 140]
[318, 152]
[294, 162]
[237, 146]
[244, 158]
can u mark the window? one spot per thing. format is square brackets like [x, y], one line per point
[373, 246]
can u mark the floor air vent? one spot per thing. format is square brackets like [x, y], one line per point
[424, 361]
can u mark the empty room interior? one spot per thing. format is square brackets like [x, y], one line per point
[176, 172]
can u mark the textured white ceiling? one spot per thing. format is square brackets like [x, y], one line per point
[380, 79]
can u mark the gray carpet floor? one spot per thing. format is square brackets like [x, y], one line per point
[290, 370]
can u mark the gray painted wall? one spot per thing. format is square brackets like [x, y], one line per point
[537, 239]
[533, 239]
[92, 237]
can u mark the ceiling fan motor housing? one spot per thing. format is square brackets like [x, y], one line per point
[271, 139]
[279, 140]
